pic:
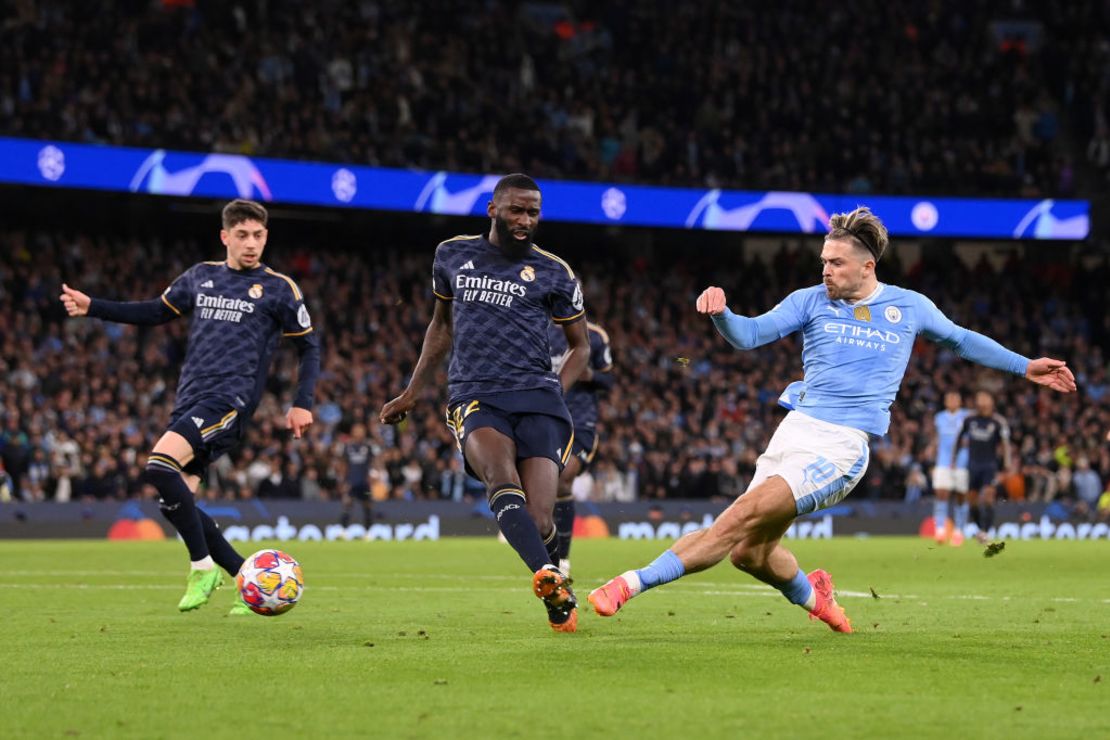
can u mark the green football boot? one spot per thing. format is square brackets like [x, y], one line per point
[198, 587]
[239, 607]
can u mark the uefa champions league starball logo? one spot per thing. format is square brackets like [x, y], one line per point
[52, 163]
[613, 204]
[344, 185]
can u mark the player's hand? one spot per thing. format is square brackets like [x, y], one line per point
[76, 302]
[298, 420]
[711, 301]
[396, 410]
[1051, 373]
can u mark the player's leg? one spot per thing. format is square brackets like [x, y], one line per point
[544, 444]
[226, 556]
[768, 506]
[491, 455]
[762, 555]
[986, 511]
[565, 511]
[942, 485]
[348, 504]
[165, 471]
[960, 506]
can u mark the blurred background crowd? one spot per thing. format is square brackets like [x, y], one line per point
[983, 97]
[83, 401]
[1002, 98]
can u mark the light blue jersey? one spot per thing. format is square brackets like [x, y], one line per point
[855, 354]
[948, 424]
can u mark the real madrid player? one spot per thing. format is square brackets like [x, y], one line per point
[857, 336]
[582, 403]
[495, 296]
[239, 311]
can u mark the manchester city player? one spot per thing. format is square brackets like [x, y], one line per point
[857, 338]
[950, 472]
[495, 296]
[239, 310]
[582, 403]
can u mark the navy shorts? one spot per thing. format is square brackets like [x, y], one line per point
[585, 445]
[536, 420]
[981, 476]
[212, 427]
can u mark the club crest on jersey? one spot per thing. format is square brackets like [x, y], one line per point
[528, 274]
[255, 291]
[892, 314]
[862, 313]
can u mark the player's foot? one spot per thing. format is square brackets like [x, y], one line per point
[239, 608]
[941, 535]
[198, 587]
[608, 599]
[564, 565]
[553, 587]
[563, 618]
[826, 609]
[956, 539]
[982, 537]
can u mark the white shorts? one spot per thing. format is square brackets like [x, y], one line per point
[820, 461]
[950, 479]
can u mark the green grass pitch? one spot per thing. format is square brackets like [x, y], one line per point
[444, 640]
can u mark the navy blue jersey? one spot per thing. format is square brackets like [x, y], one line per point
[358, 456]
[582, 397]
[984, 435]
[238, 317]
[500, 313]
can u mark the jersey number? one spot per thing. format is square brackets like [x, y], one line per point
[820, 471]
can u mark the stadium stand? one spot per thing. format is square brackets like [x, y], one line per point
[82, 401]
[986, 98]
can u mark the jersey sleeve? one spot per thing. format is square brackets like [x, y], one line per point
[791, 314]
[968, 344]
[441, 277]
[786, 318]
[601, 354]
[294, 317]
[566, 300]
[180, 295]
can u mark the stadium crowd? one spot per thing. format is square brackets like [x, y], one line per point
[986, 98]
[82, 401]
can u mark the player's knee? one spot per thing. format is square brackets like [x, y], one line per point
[164, 473]
[745, 557]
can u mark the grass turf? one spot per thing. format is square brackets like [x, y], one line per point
[444, 639]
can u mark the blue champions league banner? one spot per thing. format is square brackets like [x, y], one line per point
[184, 174]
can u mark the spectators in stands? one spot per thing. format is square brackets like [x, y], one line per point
[945, 97]
[82, 402]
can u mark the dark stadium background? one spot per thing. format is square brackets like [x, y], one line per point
[689, 414]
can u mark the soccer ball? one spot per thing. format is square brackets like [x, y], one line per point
[270, 582]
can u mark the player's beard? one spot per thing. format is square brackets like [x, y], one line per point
[512, 246]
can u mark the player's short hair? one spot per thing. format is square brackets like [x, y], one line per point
[240, 210]
[860, 226]
[516, 180]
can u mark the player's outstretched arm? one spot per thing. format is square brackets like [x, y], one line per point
[147, 313]
[740, 331]
[437, 343]
[76, 303]
[1053, 374]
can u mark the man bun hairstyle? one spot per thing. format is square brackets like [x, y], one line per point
[861, 227]
[515, 180]
[240, 210]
